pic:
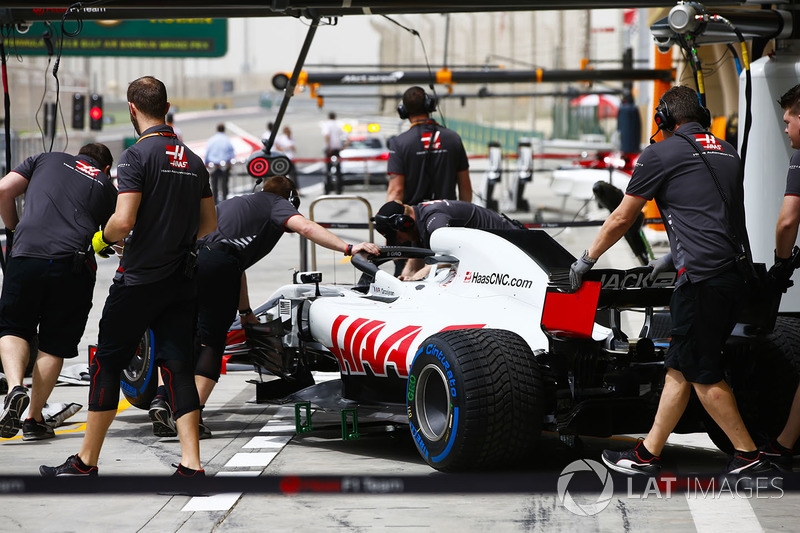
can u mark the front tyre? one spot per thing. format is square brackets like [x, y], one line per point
[139, 381]
[474, 399]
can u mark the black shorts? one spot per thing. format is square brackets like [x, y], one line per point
[167, 307]
[703, 315]
[45, 293]
[219, 280]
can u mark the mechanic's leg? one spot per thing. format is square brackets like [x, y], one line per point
[189, 436]
[224, 185]
[97, 424]
[45, 376]
[214, 189]
[15, 352]
[207, 371]
[719, 402]
[204, 388]
[791, 431]
[671, 405]
[183, 397]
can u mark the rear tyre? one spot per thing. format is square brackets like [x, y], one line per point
[139, 381]
[764, 377]
[474, 399]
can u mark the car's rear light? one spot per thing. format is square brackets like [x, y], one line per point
[384, 156]
[571, 314]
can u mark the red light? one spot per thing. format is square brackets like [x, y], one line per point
[384, 156]
[96, 113]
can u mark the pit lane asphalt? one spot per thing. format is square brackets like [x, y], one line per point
[258, 440]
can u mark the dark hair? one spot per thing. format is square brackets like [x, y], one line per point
[414, 100]
[149, 96]
[684, 105]
[279, 185]
[221, 127]
[332, 116]
[269, 126]
[791, 100]
[98, 152]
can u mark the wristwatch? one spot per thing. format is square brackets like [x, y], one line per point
[245, 312]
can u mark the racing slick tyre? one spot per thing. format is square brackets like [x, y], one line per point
[139, 381]
[474, 399]
[763, 376]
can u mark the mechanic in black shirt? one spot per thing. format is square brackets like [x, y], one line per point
[249, 228]
[780, 449]
[401, 223]
[427, 162]
[165, 198]
[707, 297]
[49, 280]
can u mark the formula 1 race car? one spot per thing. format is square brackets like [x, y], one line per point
[489, 349]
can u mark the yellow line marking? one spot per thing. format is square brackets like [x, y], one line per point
[123, 404]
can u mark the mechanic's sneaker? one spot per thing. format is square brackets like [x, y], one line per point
[161, 416]
[205, 433]
[13, 406]
[740, 465]
[778, 455]
[73, 466]
[182, 471]
[637, 460]
[33, 430]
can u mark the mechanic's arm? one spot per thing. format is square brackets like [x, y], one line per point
[208, 217]
[319, 235]
[11, 186]
[786, 229]
[397, 188]
[244, 304]
[616, 225]
[415, 270]
[464, 186]
[124, 217]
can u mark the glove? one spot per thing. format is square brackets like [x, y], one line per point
[579, 268]
[662, 264]
[101, 247]
[780, 273]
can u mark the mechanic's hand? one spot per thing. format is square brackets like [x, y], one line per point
[368, 247]
[102, 247]
[780, 273]
[579, 268]
[662, 264]
[249, 318]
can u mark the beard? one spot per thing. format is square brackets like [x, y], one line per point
[135, 124]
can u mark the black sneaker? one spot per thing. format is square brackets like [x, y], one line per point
[73, 466]
[161, 416]
[205, 433]
[14, 405]
[33, 430]
[760, 465]
[631, 462]
[778, 455]
[182, 471]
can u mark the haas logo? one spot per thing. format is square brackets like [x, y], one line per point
[177, 156]
[709, 142]
[87, 169]
[426, 141]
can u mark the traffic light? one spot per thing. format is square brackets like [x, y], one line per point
[264, 165]
[78, 111]
[96, 112]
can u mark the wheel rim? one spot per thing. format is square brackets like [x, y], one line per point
[138, 364]
[432, 402]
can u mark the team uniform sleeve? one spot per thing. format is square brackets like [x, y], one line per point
[647, 176]
[396, 162]
[793, 176]
[130, 173]
[206, 192]
[26, 168]
[282, 210]
[463, 160]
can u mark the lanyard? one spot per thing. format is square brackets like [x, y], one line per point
[431, 121]
[158, 133]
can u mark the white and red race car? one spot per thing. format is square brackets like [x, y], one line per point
[487, 351]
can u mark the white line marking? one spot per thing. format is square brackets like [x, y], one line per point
[251, 459]
[268, 442]
[217, 502]
[277, 428]
[725, 512]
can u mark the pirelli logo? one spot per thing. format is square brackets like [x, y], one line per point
[177, 156]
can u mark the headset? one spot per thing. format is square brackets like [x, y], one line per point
[390, 223]
[429, 106]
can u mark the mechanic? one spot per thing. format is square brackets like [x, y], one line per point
[401, 223]
[334, 140]
[165, 198]
[779, 449]
[427, 162]
[249, 228]
[220, 154]
[49, 280]
[703, 229]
